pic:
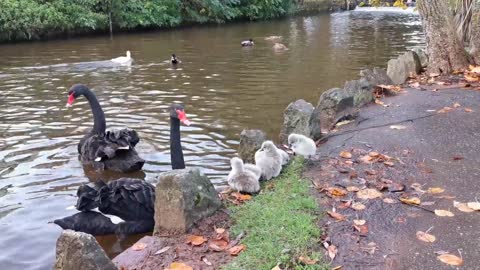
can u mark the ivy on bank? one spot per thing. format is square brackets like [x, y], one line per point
[36, 19]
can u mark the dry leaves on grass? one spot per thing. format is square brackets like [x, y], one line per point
[450, 259]
[345, 154]
[139, 246]
[179, 266]
[306, 260]
[425, 237]
[369, 193]
[196, 240]
[443, 213]
[337, 216]
[234, 251]
[241, 197]
[412, 200]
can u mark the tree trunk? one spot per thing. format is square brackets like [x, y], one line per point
[445, 50]
[475, 33]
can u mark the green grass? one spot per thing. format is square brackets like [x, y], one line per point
[280, 225]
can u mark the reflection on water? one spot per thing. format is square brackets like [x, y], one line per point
[224, 87]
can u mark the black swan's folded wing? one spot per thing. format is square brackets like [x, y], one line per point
[129, 199]
[88, 222]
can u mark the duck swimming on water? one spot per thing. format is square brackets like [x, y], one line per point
[247, 43]
[174, 60]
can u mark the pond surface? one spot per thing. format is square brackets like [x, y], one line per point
[225, 88]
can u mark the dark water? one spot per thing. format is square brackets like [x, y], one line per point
[224, 87]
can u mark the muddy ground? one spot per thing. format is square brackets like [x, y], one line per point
[426, 148]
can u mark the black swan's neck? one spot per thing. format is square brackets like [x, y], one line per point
[99, 124]
[176, 153]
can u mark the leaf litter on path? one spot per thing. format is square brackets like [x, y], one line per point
[196, 240]
[425, 237]
[369, 193]
[450, 259]
[443, 213]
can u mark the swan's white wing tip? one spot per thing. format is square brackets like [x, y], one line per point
[98, 159]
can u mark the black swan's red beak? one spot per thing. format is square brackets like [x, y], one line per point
[70, 100]
[183, 117]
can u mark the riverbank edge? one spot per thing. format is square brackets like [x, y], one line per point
[310, 7]
[280, 224]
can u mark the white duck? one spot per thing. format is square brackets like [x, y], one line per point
[269, 160]
[123, 60]
[302, 145]
[244, 177]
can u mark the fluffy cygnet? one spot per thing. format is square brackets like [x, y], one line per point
[269, 160]
[243, 178]
[302, 145]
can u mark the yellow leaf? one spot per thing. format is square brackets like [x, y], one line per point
[345, 154]
[474, 205]
[413, 200]
[359, 222]
[139, 246]
[336, 215]
[450, 259]
[358, 206]
[456, 105]
[178, 266]
[332, 251]
[334, 191]
[369, 193]
[435, 190]
[307, 260]
[462, 207]
[443, 213]
[196, 240]
[426, 237]
[468, 110]
[389, 200]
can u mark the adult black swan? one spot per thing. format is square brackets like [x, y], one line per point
[106, 149]
[132, 200]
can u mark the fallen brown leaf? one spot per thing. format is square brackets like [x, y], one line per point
[366, 159]
[444, 110]
[337, 267]
[307, 260]
[219, 230]
[373, 154]
[388, 163]
[456, 105]
[450, 259]
[369, 193]
[462, 207]
[196, 240]
[358, 206]
[162, 250]
[443, 213]
[241, 197]
[371, 172]
[363, 229]
[336, 215]
[345, 154]
[332, 251]
[359, 222]
[389, 200]
[206, 261]
[413, 200]
[435, 190]
[474, 205]
[234, 251]
[352, 189]
[334, 191]
[469, 78]
[468, 110]
[139, 246]
[218, 245]
[425, 237]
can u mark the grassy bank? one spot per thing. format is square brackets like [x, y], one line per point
[280, 225]
[39, 19]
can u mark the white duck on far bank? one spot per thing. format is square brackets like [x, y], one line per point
[243, 177]
[123, 60]
[302, 145]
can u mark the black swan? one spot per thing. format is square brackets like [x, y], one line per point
[132, 200]
[106, 149]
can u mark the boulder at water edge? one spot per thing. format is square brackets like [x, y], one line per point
[80, 251]
[183, 197]
[361, 90]
[250, 141]
[405, 65]
[296, 119]
[332, 105]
